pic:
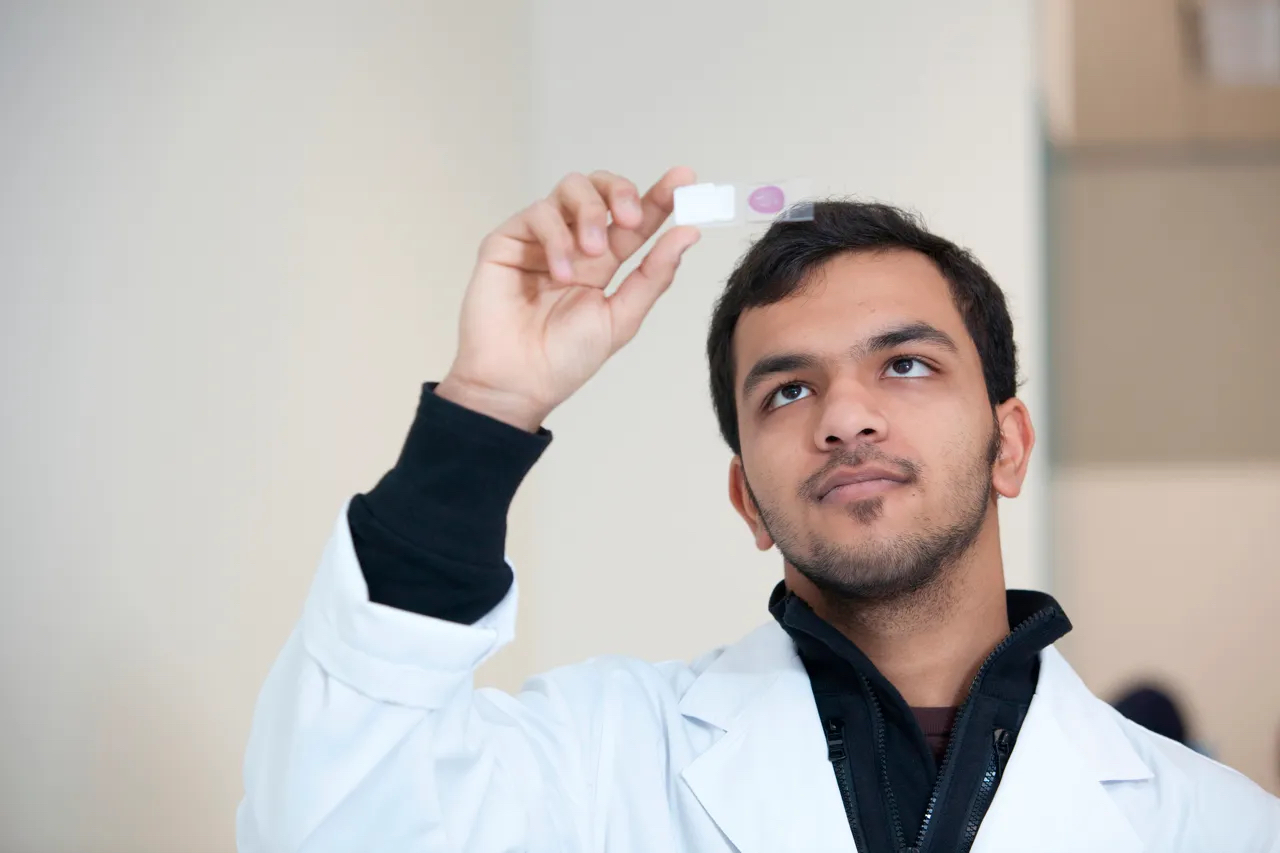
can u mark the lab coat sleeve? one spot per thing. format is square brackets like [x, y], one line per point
[368, 735]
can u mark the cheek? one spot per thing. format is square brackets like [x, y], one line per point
[968, 456]
[773, 471]
[948, 446]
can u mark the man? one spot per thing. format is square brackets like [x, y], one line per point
[863, 373]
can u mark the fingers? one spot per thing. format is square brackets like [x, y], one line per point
[622, 197]
[655, 207]
[583, 205]
[630, 304]
[547, 226]
[575, 219]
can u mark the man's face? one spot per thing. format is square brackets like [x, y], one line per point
[867, 435]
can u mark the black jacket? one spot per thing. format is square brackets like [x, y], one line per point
[430, 538]
[896, 796]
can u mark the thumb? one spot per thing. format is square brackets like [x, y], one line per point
[630, 303]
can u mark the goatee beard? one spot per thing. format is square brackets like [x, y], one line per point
[892, 568]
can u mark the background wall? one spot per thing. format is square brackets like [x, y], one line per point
[1167, 476]
[234, 241]
[1169, 573]
[1164, 246]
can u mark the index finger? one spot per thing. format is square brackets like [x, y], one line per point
[656, 206]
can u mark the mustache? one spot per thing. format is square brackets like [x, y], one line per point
[851, 458]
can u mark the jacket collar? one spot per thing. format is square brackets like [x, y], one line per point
[1036, 620]
[768, 786]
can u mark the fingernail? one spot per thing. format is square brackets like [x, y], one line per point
[596, 237]
[562, 269]
[631, 206]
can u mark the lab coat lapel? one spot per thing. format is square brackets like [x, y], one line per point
[1052, 798]
[766, 782]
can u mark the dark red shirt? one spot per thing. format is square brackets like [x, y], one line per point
[936, 723]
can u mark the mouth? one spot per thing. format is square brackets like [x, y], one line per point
[859, 484]
[852, 492]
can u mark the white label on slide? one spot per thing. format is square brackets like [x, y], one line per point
[702, 204]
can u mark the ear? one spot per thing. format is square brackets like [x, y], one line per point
[740, 497]
[1017, 438]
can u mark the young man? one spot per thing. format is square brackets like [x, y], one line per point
[863, 372]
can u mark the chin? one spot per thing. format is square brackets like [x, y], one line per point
[867, 512]
[867, 574]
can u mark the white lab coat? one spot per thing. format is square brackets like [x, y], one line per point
[369, 736]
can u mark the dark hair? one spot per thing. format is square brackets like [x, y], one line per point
[779, 264]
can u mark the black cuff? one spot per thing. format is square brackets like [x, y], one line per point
[430, 536]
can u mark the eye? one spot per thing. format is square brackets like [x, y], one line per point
[908, 368]
[786, 394]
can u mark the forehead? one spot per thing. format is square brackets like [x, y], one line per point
[849, 298]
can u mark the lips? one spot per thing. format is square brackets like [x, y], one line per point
[863, 474]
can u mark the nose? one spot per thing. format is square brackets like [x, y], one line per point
[850, 415]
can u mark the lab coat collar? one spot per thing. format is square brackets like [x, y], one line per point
[767, 783]
[1053, 796]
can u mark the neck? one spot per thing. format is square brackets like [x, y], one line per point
[928, 643]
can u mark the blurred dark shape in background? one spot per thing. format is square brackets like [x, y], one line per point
[1154, 708]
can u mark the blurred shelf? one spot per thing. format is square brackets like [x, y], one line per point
[1165, 154]
[1133, 72]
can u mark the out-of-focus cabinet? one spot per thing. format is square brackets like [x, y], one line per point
[1162, 71]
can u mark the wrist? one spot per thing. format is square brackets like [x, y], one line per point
[512, 409]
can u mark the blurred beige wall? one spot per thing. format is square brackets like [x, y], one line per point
[234, 240]
[1170, 573]
[1166, 292]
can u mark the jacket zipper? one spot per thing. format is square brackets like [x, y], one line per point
[877, 716]
[962, 719]
[1002, 744]
[839, 759]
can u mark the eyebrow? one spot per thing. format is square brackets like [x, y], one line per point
[909, 333]
[785, 362]
[892, 338]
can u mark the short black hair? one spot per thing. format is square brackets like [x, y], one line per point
[780, 263]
